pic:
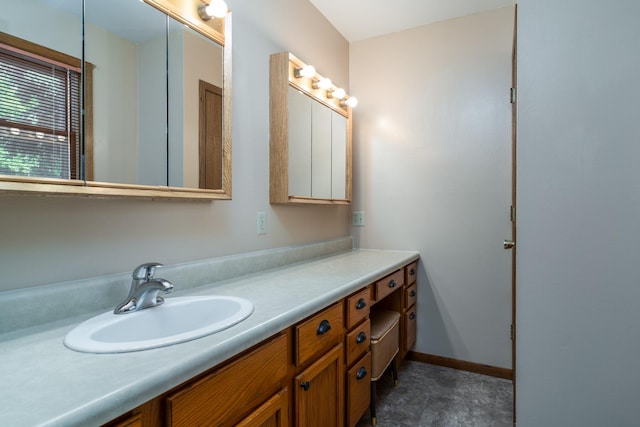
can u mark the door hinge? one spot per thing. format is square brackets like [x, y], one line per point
[512, 95]
[513, 214]
[511, 333]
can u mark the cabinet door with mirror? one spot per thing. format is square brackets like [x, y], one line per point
[310, 157]
[147, 113]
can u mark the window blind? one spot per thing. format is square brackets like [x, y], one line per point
[39, 117]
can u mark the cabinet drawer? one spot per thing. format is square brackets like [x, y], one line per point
[358, 389]
[358, 307]
[410, 319]
[411, 271]
[389, 284]
[231, 390]
[319, 333]
[410, 295]
[358, 342]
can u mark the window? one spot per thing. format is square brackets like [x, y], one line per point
[39, 111]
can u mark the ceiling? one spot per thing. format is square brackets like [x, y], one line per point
[364, 19]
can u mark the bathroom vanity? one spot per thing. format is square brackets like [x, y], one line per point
[302, 366]
[302, 358]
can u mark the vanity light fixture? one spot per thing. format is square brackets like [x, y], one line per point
[323, 83]
[215, 9]
[304, 78]
[337, 93]
[352, 102]
[306, 71]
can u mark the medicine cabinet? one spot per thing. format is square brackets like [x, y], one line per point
[310, 145]
[146, 127]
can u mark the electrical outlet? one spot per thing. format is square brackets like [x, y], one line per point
[357, 218]
[261, 223]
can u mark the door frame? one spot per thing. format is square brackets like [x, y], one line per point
[514, 129]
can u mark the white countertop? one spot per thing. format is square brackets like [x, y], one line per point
[45, 384]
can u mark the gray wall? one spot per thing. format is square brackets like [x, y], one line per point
[579, 204]
[45, 240]
[432, 171]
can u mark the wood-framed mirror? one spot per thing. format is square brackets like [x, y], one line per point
[147, 128]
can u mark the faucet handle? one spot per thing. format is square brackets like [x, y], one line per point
[145, 271]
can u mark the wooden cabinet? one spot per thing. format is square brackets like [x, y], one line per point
[398, 291]
[309, 160]
[357, 355]
[314, 373]
[222, 396]
[319, 392]
[409, 312]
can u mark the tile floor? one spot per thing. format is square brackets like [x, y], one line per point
[434, 396]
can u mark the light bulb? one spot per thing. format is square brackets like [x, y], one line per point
[306, 71]
[217, 9]
[338, 93]
[351, 102]
[323, 83]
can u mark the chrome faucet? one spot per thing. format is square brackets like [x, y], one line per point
[144, 289]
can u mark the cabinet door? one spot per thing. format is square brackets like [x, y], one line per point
[299, 143]
[339, 175]
[358, 390]
[319, 392]
[273, 413]
[320, 151]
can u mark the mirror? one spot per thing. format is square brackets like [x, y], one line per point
[157, 97]
[317, 148]
[310, 155]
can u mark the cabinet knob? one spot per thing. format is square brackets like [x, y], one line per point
[412, 315]
[362, 337]
[361, 304]
[412, 272]
[305, 385]
[412, 293]
[392, 284]
[324, 327]
[362, 372]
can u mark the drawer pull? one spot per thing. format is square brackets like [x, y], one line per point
[361, 304]
[412, 293]
[324, 327]
[392, 284]
[412, 315]
[362, 337]
[412, 272]
[305, 385]
[362, 372]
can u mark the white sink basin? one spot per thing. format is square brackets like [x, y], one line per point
[177, 320]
